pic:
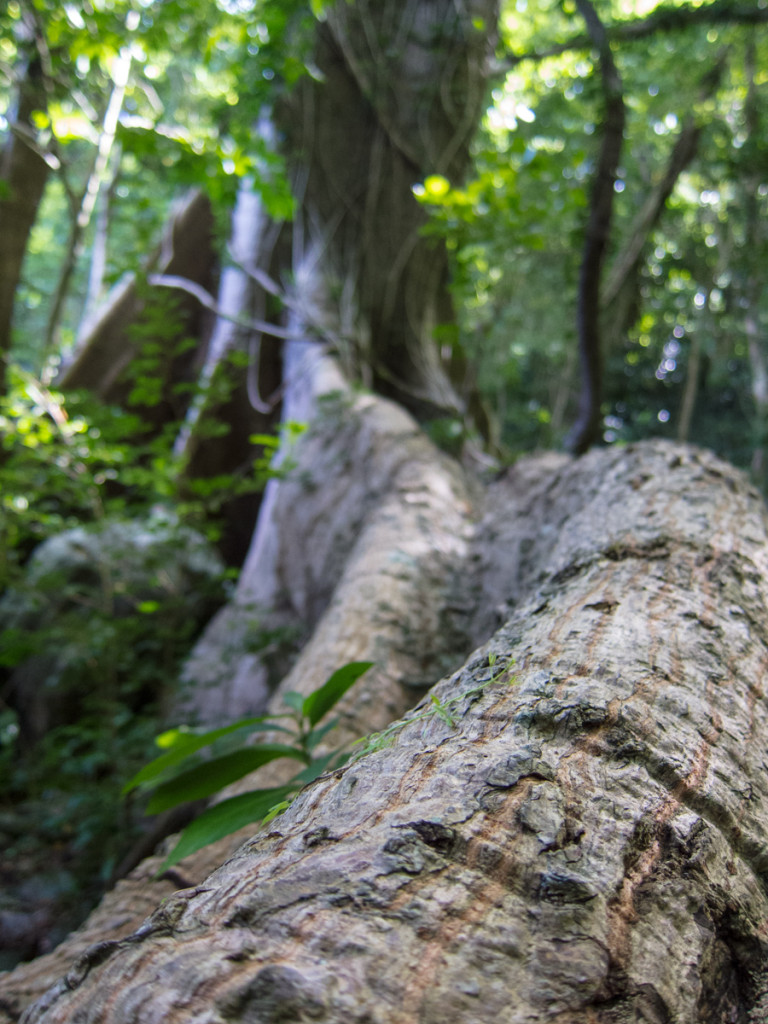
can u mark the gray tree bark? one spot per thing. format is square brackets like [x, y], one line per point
[586, 841]
[364, 544]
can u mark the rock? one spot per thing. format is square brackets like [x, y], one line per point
[107, 610]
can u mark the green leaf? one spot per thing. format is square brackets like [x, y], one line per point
[436, 186]
[294, 700]
[190, 743]
[442, 712]
[316, 768]
[319, 703]
[225, 818]
[274, 811]
[314, 737]
[266, 440]
[205, 779]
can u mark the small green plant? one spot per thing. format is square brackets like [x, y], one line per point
[441, 709]
[182, 774]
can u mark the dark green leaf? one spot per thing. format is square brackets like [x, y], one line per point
[225, 818]
[315, 769]
[189, 743]
[211, 776]
[316, 735]
[319, 703]
[293, 700]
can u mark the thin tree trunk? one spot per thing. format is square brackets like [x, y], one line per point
[562, 391]
[98, 267]
[23, 174]
[586, 430]
[582, 839]
[691, 389]
[619, 297]
[626, 261]
[754, 244]
[82, 208]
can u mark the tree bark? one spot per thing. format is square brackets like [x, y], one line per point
[580, 835]
[372, 524]
[23, 174]
[585, 843]
[398, 97]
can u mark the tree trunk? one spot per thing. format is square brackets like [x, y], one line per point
[691, 387]
[587, 429]
[398, 96]
[585, 842]
[366, 544]
[574, 831]
[751, 285]
[83, 205]
[23, 174]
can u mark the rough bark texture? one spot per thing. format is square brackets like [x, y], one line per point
[368, 543]
[400, 96]
[366, 520]
[586, 844]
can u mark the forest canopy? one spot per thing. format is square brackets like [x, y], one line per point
[139, 102]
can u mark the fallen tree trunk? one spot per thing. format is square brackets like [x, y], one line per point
[105, 350]
[371, 524]
[580, 836]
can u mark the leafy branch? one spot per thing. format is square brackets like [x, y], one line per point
[665, 18]
[180, 775]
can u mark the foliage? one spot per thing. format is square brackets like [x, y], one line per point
[199, 75]
[181, 775]
[102, 630]
[515, 231]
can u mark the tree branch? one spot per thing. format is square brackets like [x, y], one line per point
[206, 299]
[647, 217]
[663, 19]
